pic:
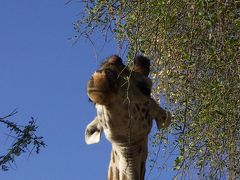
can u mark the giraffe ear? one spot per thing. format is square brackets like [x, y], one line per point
[161, 116]
[93, 132]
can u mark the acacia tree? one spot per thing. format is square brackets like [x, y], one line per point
[24, 140]
[194, 47]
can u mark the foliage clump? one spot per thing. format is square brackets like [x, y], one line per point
[25, 140]
[194, 46]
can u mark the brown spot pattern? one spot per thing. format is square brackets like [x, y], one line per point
[146, 104]
[124, 177]
[110, 174]
[113, 157]
[117, 174]
[143, 110]
[137, 106]
[146, 115]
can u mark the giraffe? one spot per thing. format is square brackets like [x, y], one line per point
[125, 112]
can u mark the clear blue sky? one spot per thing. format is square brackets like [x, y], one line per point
[43, 76]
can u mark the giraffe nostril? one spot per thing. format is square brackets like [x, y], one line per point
[98, 71]
[91, 82]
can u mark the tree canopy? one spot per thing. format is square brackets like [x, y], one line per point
[194, 47]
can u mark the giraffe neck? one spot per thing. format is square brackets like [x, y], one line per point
[128, 161]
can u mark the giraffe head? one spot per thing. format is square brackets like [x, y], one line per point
[103, 88]
[125, 111]
[116, 85]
